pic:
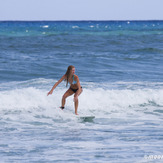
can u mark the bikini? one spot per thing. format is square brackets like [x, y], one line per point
[74, 90]
[74, 82]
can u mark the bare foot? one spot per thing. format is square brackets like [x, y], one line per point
[76, 113]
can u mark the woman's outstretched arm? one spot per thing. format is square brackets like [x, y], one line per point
[56, 84]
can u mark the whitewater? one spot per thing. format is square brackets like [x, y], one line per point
[127, 125]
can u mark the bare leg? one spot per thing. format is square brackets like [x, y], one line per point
[76, 101]
[69, 92]
[76, 106]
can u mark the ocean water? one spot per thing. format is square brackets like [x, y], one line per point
[120, 67]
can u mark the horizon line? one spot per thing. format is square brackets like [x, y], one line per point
[77, 20]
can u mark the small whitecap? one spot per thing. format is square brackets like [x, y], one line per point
[91, 26]
[153, 25]
[75, 27]
[119, 26]
[128, 22]
[45, 26]
[26, 30]
[43, 33]
[106, 26]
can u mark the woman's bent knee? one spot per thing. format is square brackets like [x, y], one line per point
[64, 96]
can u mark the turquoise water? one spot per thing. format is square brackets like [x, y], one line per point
[119, 64]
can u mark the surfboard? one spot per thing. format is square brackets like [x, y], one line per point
[86, 117]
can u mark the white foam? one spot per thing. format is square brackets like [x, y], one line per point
[25, 98]
[29, 97]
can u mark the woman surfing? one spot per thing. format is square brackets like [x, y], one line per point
[75, 87]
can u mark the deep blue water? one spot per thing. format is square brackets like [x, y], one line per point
[120, 67]
[100, 51]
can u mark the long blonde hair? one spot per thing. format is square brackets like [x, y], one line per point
[68, 73]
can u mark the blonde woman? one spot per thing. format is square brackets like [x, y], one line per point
[75, 87]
